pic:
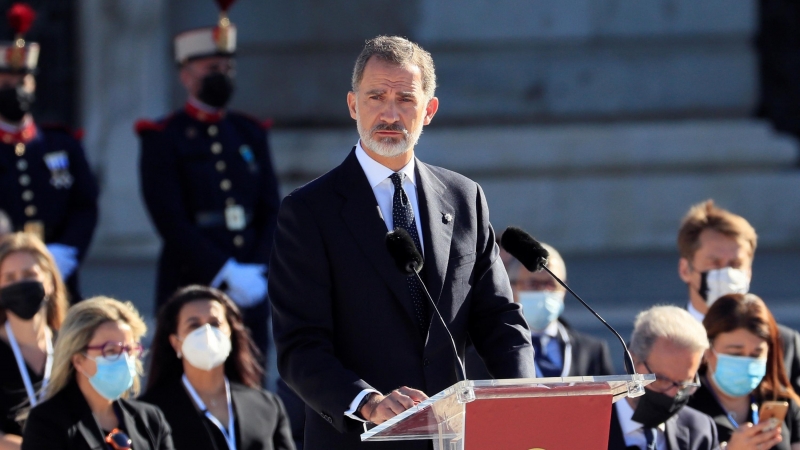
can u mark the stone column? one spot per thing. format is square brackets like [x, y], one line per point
[124, 60]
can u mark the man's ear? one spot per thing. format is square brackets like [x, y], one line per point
[430, 110]
[684, 270]
[351, 104]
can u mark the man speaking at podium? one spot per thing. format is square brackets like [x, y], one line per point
[356, 338]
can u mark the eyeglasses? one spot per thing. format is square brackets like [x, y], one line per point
[535, 285]
[663, 384]
[118, 440]
[112, 350]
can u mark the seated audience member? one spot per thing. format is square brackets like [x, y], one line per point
[560, 351]
[95, 367]
[744, 368]
[33, 303]
[667, 342]
[5, 224]
[205, 377]
[716, 258]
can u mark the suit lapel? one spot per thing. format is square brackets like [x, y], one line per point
[245, 435]
[677, 436]
[361, 215]
[130, 417]
[87, 425]
[437, 221]
[616, 441]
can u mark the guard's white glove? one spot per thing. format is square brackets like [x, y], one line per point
[247, 283]
[66, 258]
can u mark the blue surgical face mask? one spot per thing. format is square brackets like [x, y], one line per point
[736, 376]
[113, 377]
[541, 308]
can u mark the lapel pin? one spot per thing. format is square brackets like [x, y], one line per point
[447, 218]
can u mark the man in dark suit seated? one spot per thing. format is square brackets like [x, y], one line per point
[717, 248]
[356, 338]
[667, 342]
[560, 351]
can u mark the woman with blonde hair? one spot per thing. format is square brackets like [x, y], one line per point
[33, 303]
[96, 368]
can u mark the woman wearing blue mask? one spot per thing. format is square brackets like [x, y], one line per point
[95, 368]
[205, 376]
[743, 369]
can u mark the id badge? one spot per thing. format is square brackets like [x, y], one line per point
[34, 227]
[235, 218]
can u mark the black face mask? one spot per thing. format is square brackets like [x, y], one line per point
[15, 102]
[216, 89]
[24, 298]
[655, 408]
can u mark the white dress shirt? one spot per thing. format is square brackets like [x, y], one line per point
[633, 431]
[695, 313]
[383, 188]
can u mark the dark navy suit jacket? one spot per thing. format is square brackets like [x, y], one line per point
[689, 429]
[343, 316]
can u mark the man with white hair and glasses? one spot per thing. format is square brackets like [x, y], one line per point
[669, 343]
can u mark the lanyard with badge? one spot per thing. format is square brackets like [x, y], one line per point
[230, 433]
[23, 369]
[753, 408]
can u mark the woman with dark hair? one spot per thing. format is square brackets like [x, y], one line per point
[205, 377]
[33, 303]
[743, 369]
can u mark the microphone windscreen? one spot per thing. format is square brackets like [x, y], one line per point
[525, 248]
[404, 252]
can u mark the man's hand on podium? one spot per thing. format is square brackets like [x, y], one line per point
[380, 408]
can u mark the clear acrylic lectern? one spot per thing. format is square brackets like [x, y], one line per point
[533, 413]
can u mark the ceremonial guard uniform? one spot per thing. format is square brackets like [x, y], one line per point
[46, 184]
[208, 183]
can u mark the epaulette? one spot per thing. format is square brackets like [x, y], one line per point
[143, 125]
[76, 134]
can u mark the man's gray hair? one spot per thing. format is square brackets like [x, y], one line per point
[668, 322]
[554, 262]
[400, 51]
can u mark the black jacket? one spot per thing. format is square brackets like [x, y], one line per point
[590, 357]
[65, 422]
[791, 354]
[190, 171]
[343, 314]
[703, 400]
[686, 430]
[260, 419]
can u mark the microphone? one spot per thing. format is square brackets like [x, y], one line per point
[533, 256]
[409, 261]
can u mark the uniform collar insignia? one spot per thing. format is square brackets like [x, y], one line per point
[24, 133]
[202, 114]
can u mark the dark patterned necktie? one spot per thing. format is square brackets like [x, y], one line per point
[403, 217]
[650, 435]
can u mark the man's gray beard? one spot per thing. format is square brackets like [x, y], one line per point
[388, 147]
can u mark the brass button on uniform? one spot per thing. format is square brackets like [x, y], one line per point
[238, 241]
[220, 166]
[212, 130]
[230, 201]
[24, 180]
[216, 148]
[19, 149]
[225, 185]
[30, 210]
[27, 195]
[22, 165]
